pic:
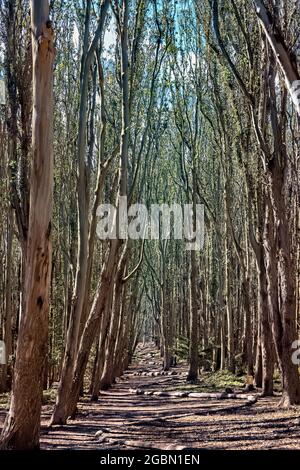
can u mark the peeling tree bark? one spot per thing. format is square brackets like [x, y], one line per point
[22, 425]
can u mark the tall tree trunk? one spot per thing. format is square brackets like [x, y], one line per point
[258, 374]
[165, 326]
[108, 369]
[104, 329]
[267, 350]
[91, 327]
[193, 348]
[230, 331]
[283, 319]
[22, 425]
[120, 342]
[8, 305]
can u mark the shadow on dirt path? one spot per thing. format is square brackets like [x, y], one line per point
[134, 413]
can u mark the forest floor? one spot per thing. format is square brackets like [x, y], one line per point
[146, 409]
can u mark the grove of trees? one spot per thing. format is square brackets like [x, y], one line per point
[162, 102]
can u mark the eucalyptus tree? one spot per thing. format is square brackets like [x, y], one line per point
[21, 428]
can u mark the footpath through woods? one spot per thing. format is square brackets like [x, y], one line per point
[148, 408]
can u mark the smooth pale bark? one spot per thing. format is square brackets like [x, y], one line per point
[22, 426]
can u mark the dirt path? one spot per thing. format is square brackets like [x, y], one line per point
[125, 419]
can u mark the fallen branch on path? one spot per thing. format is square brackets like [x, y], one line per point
[201, 395]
